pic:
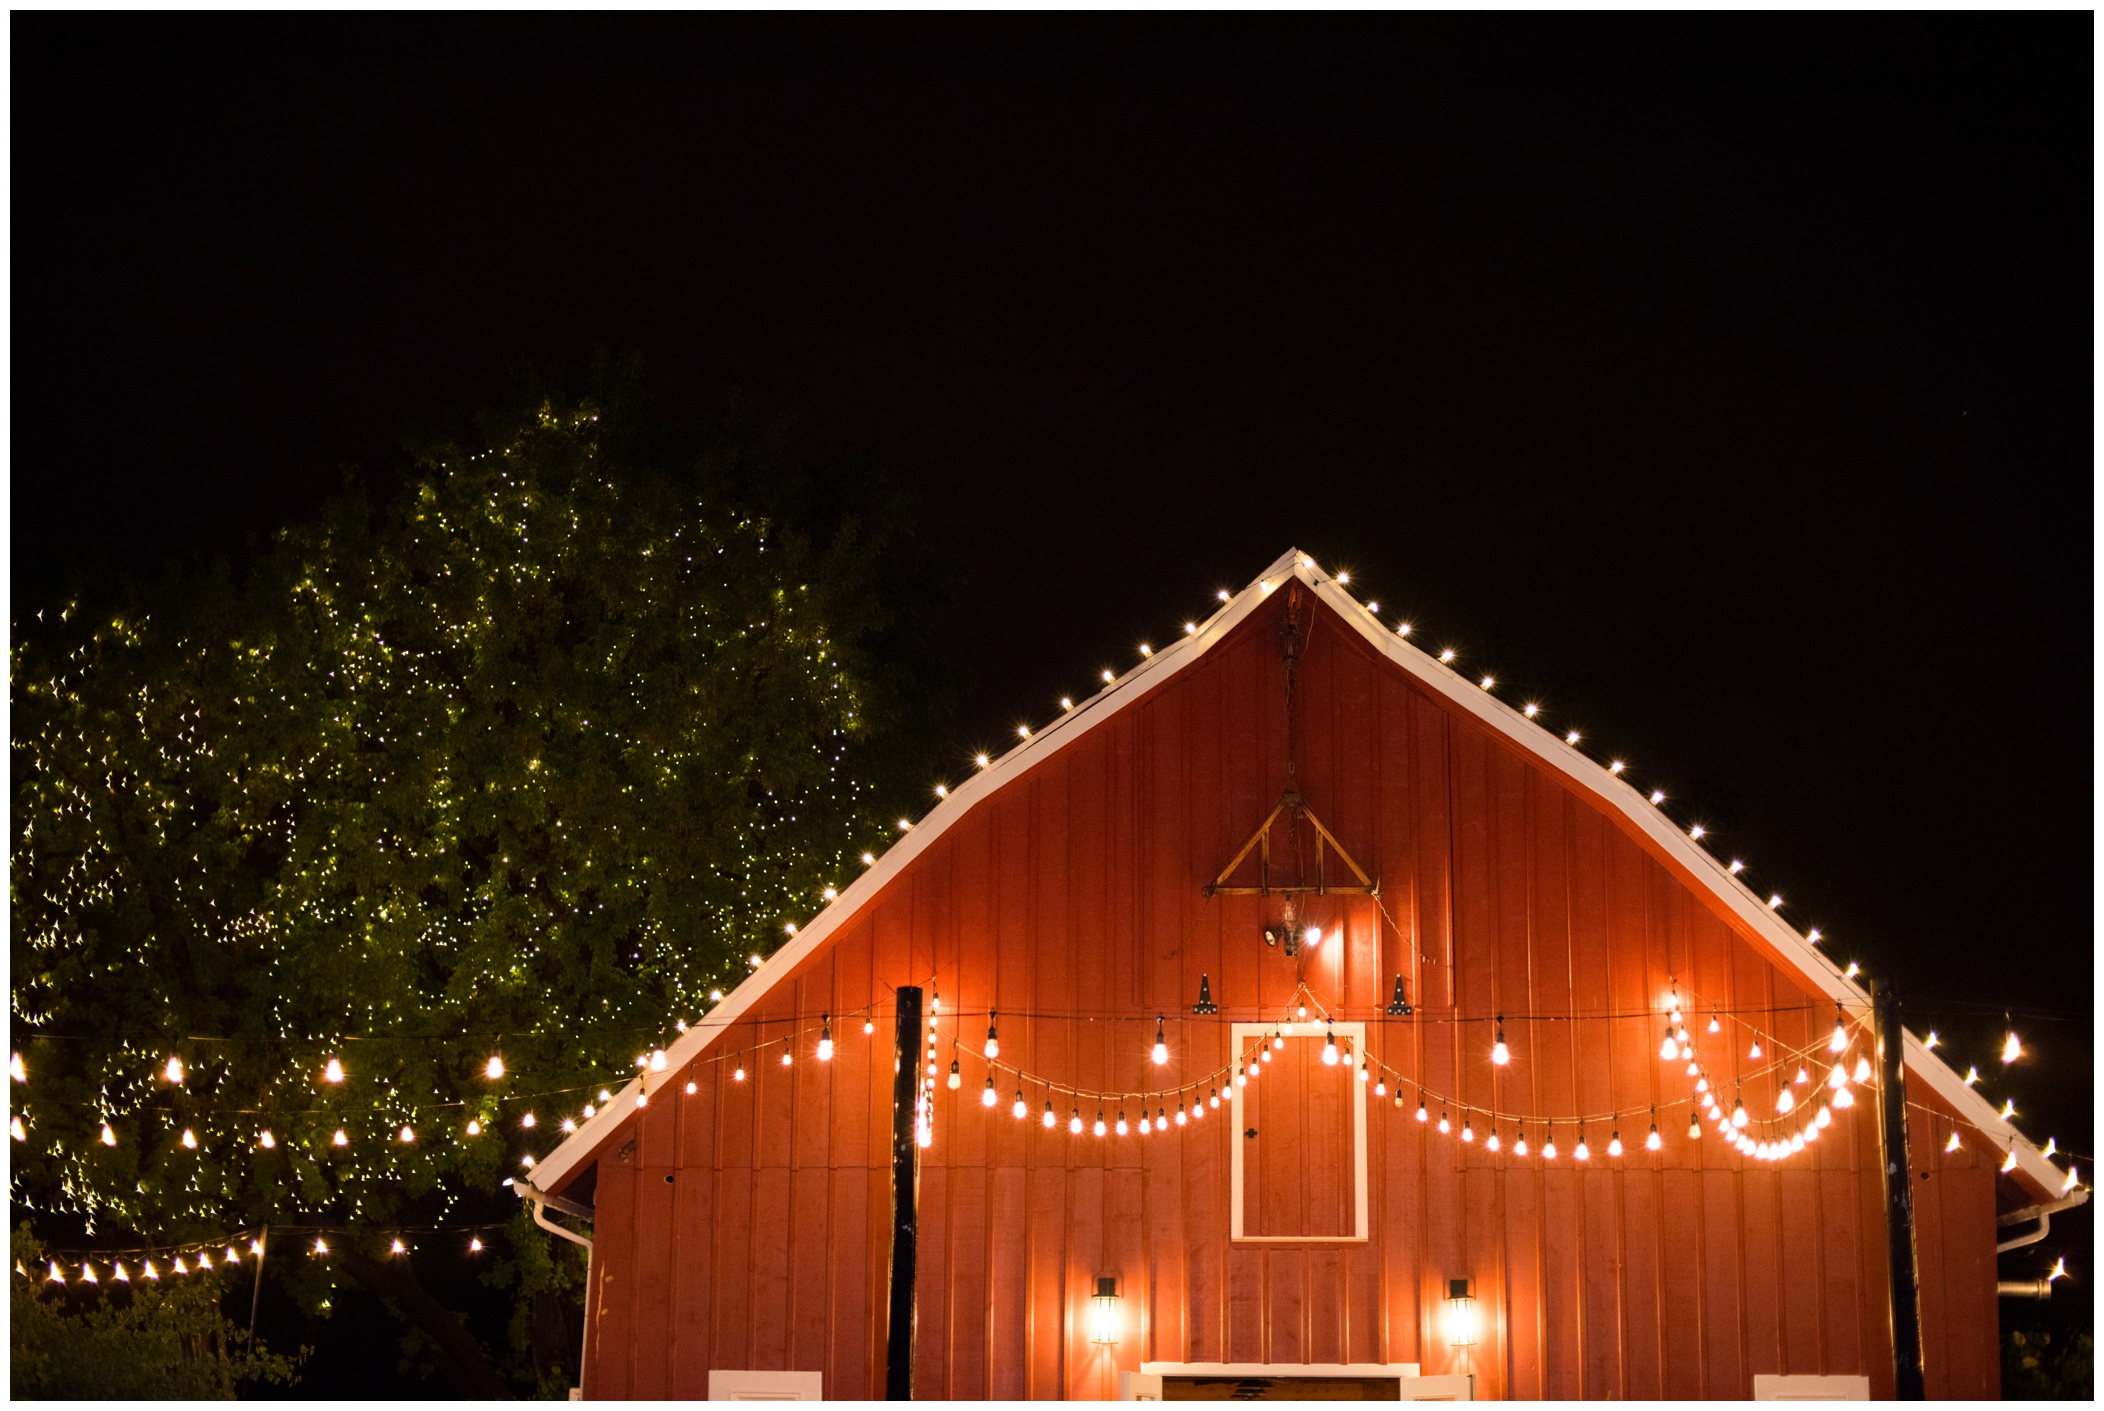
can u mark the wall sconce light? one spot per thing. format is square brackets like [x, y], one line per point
[1103, 1318]
[1461, 1314]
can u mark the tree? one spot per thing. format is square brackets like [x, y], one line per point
[503, 781]
[163, 1341]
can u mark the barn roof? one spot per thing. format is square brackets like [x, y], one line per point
[1694, 866]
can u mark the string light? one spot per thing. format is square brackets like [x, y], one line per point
[1972, 1076]
[2011, 1049]
[1614, 1144]
[332, 1072]
[1021, 1108]
[1499, 1054]
[1952, 1144]
[1696, 832]
[956, 1078]
[993, 1037]
[1051, 1121]
[174, 1071]
[1161, 1044]
[15, 1069]
[495, 1068]
[1122, 1129]
[1653, 1142]
[825, 1039]
[1530, 710]
[1755, 1051]
[1329, 1049]
[1694, 1127]
[109, 1138]
[1581, 1152]
[1931, 1041]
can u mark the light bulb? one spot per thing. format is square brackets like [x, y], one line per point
[1844, 1098]
[1313, 937]
[1694, 1128]
[407, 1134]
[269, 1142]
[1499, 1054]
[495, 1067]
[1658, 796]
[190, 1139]
[993, 1039]
[2010, 1164]
[1581, 1152]
[1696, 832]
[396, 1248]
[1571, 739]
[1443, 1127]
[15, 1070]
[1714, 1026]
[1380, 1087]
[1488, 682]
[1447, 655]
[1276, 1042]
[1804, 1076]
[1738, 1113]
[1530, 710]
[869, 1026]
[1491, 1142]
[341, 1138]
[1840, 1039]
[568, 1125]
[1548, 1149]
[1121, 1128]
[1755, 1051]
[1329, 1051]
[1145, 1125]
[987, 1096]
[1824, 1118]
[1931, 1041]
[118, 1270]
[1075, 1125]
[1838, 1078]
[1182, 1117]
[1669, 1050]
[787, 1057]
[1100, 1127]
[1972, 1075]
[1422, 1115]
[738, 1073]
[474, 1130]
[2008, 1109]
[956, 1078]
[332, 1072]
[1952, 1144]
[109, 1138]
[1616, 767]
[2011, 1049]
[1614, 1144]
[1702, 1084]
[1161, 1043]
[1519, 1145]
[1402, 629]
[1737, 867]
[174, 1071]
[1784, 1101]
[1050, 1120]
[1653, 1142]
[1214, 1101]
[1862, 1074]
[1020, 1109]
[474, 1245]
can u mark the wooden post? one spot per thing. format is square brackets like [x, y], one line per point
[905, 1195]
[1904, 1281]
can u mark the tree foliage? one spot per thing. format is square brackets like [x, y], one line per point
[165, 1341]
[521, 768]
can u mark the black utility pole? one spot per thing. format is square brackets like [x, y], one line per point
[1904, 1282]
[905, 1195]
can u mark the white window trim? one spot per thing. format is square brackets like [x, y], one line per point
[1146, 1384]
[1356, 1033]
[1768, 1386]
[766, 1386]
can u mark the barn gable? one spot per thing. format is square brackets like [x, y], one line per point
[1743, 913]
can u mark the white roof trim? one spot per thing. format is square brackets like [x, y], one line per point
[1813, 965]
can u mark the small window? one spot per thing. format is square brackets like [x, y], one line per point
[1299, 1167]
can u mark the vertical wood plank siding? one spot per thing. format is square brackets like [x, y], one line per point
[745, 1225]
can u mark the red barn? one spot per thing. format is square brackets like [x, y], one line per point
[1291, 836]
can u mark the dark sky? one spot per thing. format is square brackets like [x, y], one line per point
[1725, 383]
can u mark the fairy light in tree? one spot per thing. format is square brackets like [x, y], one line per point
[174, 1071]
[15, 1069]
[474, 1130]
[494, 1069]
[109, 1137]
[332, 1072]
[190, 1139]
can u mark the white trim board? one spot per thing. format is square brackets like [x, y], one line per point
[1749, 909]
[1356, 1033]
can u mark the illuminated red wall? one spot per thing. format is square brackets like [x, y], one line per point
[746, 1226]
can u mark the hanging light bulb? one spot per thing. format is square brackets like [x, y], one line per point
[1784, 1101]
[993, 1038]
[1277, 1041]
[1121, 1128]
[825, 1038]
[1581, 1152]
[869, 1026]
[1972, 1075]
[1421, 1114]
[474, 1130]
[1051, 1120]
[474, 1245]
[1161, 1041]
[117, 1270]
[1146, 1125]
[956, 1080]
[2011, 1049]
[332, 1072]
[15, 1069]
[1468, 1130]
[408, 1136]
[109, 1137]
[1804, 1075]
[1074, 1126]
[1443, 1127]
[1020, 1109]
[179, 1268]
[1490, 1143]
[1714, 1026]
[1838, 1078]
[1862, 1068]
[1839, 1041]
[2072, 1181]
[1693, 1068]
[1101, 1126]
[1182, 1117]
[787, 1058]
[1365, 1074]
[1329, 1049]
[2008, 1108]
[1669, 1050]
[87, 1273]
[1694, 1127]
[1824, 1118]
[1614, 1144]
[1519, 1143]
[987, 1096]
[2010, 1163]
[1844, 1098]
[268, 1142]
[1653, 1142]
[189, 1139]
[1702, 1084]
[1952, 1144]
[1931, 1041]
[1499, 1054]
[494, 1068]
[1755, 1051]
[1214, 1100]
[1738, 1112]
[1380, 1089]
[174, 1071]
[1548, 1146]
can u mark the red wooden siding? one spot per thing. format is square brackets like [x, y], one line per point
[745, 1226]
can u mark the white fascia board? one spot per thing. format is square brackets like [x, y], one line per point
[1564, 760]
[1635, 806]
[560, 1164]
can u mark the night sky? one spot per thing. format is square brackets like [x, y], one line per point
[1723, 384]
